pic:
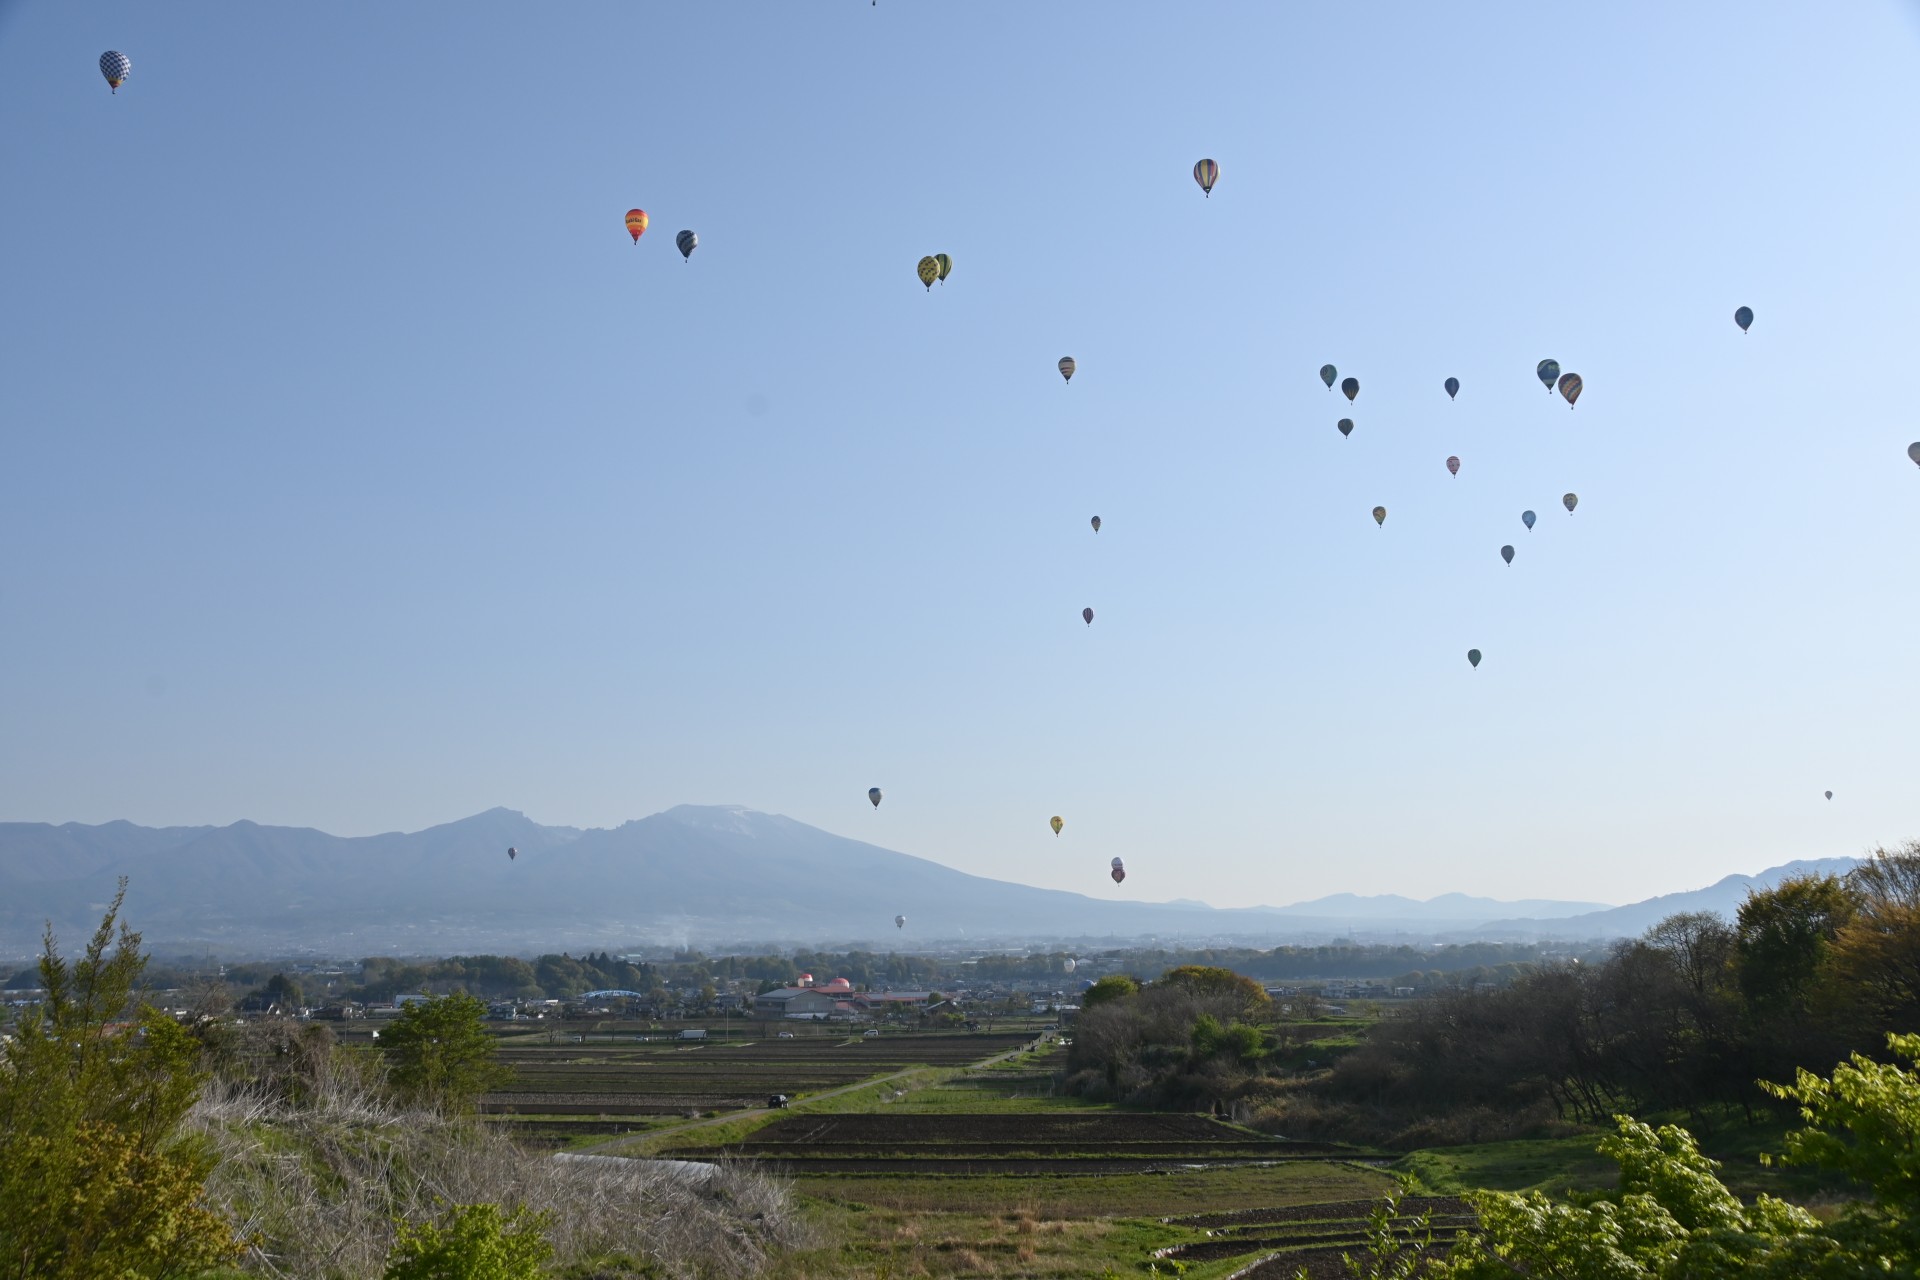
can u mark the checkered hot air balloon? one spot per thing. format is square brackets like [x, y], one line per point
[116, 67]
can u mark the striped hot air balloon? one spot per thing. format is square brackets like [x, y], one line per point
[636, 223]
[1206, 173]
[1067, 366]
[1570, 385]
[687, 242]
[946, 266]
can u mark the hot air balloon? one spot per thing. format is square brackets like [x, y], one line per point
[116, 67]
[946, 266]
[1570, 385]
[1453, 387]
[1096, 524]
[1118, 874]
[1088, 615]
[512, 854]
[636, 223]
[1206, 173]
[1913, 451]
[1506, 553]
[1379, 515]
[899, 922]
[873, 794]
[1067, 366]
[1829, 795]
[1069, 964]
[1117, 863]
[1453, 466]
[1345, 425]
[929, 272]
[1055, 823]
[1327, 374]
[688, 242]
[1570, 501]
[1526, 518]
[1547, 371]
[1473, 656]
[1350, 387]
[1744, 318]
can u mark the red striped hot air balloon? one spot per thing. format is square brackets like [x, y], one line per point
[636, 223]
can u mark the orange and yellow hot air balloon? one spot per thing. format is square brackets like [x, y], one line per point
[636, 223]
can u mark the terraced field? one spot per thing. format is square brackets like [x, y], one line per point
[566, 1090]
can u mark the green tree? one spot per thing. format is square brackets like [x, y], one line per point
[1211, 982]
[475, 1242]
[1115, 986]
[439, 1052]
[96, 1179]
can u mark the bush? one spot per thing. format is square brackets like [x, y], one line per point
[477, 1242]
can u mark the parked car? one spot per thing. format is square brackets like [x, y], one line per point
[786, 1035]
[871, 1032]
[778, 1100]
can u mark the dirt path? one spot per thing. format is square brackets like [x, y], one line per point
[617, 1144]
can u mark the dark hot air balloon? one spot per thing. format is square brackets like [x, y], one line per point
[1453, 466]
[873, 794]
[1118, 874]
[1570, 385]
[1096, 524]
[1088, 615]
[1327, 374]
[1570, 501]
[1829, 795]
[1526, 518]
[1067, 366]
[512, 854]
[1744, 318]
[899, 922]
[1506, 553]
[1453, 387]
[1056, 823]
[1547, 371]
[1913, 451]
[687, 242]
[946, 266]
[1379, 515]
[116, 67]
[1473, 656]
[1350, 387]
[1346, 426]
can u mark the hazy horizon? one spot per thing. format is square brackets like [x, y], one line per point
[360, 472]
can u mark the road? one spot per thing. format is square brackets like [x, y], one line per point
[610, 1148]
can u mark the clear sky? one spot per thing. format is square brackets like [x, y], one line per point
[356, 470]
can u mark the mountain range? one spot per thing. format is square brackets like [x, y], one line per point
[694, 875]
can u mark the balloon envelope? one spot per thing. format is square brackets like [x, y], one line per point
[1327, 374]
[1117, 863]
[1571, 501]
[1096, 524]
[1913, 451]
[1346, 426]
[929, 271]
[1069, 964]
[1473, 656]
[1206, 173]
[1570, 385]
[899, 922]
[688, 242]
[1088, 615]
[1547, 371]
[1350, 387]
[1067, 366]
[1829, 795]
[1744, 318]
[1506, 553]
[636, 223]
[1526, 518]
[1379, 515]
[1453, 465]
[116, 67]
[1118, 874]
[1056, 823]
[873, 794]
[946, 264]
[512, 854]
[1453, 387]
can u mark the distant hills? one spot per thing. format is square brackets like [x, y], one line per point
[710, 876]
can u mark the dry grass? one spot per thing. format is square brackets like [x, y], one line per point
[317, 1185]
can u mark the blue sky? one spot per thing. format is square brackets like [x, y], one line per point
[356, 471]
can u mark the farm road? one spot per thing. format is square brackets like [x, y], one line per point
[609, 1148]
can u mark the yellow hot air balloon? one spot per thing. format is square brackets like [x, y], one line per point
[929, 272]
[1056, 824]
[636, 223]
